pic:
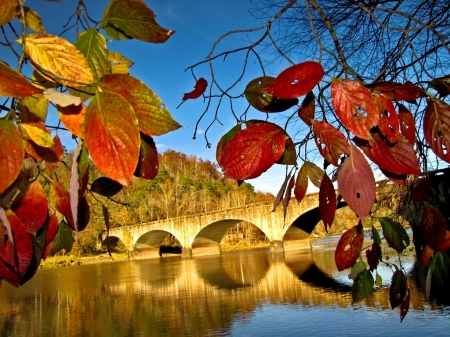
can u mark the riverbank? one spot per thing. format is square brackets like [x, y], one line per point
[65, 261]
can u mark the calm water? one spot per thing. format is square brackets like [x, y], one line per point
[235, 294]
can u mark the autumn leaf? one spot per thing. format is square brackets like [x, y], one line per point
[420, 191]
[112, 139]
[289, 156]
[153, 116]
[33, 108]
[57, 59]
[119, 63]
[8, 11]
[297, 80]
[31, 207]
[123, 19]
[363, 286]
[356, 183]
[199, 89]
[52, 229]
[225, 139]
[307, 109]
[394, 233]
[288, 195]
[148, 165]
[253, 150]
[398, 91]
[11, 153]
[62, 240]
[404, 306]
[389, 121]
[32, 20]
[355, 106]
[60, 98]
[407, 124]
[433, 226]
[60, 197]
[327, 201]
[373, 256]
[436, 128]
[257, 96]
[22, 243]
[398, 289]
[72, 117]
[105, 186]
[349, 248]
[36, 134]
[301, 183]
[14, 84]
[441, 85]
[331, 142]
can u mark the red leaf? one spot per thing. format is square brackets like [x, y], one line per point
[433, 226]
[373, 256]
[31, 206]
[23, 245]
[349, 248]
[301, 184]
[356, 183]
[112, 138]
[436, 127]
[331, 142]
[389, 122]
[420, 191]
[398, 91]
[52, 229]
[148, 165]
[355, 107]
[253, 150]
[400, 158]
[54, 155]
[225, 139]
[14, 84]
[11, 153]
[61, 198]
[307, 109]
[407, 124]
[199, 89]
[297, 80]
[327, 201]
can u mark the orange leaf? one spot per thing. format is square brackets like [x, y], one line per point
[356, 183]
[297, 80]
[331, 142]
[398, 91]
[61, 198]
[112, 138]
[72, 117]
[349, 248]
[14, 84]
[389, 122]
[199, 89]
[153, 116]
[253, 150]
[355, 106]
[9, 9]
[327, 201]
[444, 246]
[436, 128]
[30, 206]
[50, 235]
[407, 124]
[11, 153]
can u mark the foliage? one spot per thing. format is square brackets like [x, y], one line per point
[374, 76]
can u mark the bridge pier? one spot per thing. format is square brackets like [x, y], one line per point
[276, 246]
[186, 253]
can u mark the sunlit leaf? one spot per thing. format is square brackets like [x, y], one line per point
[349, 248]
[315, 173]
[8, 10]
[257, 96]
[11, 153]
[253, 150]
[355, 106]
[33, 20]
[225, 139]
[92, 45]
[60, 98]
[22, 243]
[297, 80]
[394, 233]
[60, 197]
[433, 226]
[407, 124]
[307, 109]
[37, 135]
[31, 107]
[398, 288]
[327, 201]
[363, 286]
[58, 59]
[31, 206]
[63, 239]
[148, 164]
[133, 19]
[389, 121]
[112, 138]
[154, 118]
[14, 84]
[436, 128]
[398, 91]
[119, 63]
[72, 117]
[356, 183]
[331, 142]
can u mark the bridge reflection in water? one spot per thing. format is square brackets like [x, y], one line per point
[174, 296]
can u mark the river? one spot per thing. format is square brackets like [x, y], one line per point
[250, 293]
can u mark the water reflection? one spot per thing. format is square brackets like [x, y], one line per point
[190, 297]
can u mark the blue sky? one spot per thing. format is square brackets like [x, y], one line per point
[198, 24]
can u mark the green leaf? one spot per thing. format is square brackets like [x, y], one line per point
[92, 45]
[438, 278]
[376, 236]
[357, 268]
[363, 286]
[394, 233]
[398, 288]
[378, 281]
[63, 239]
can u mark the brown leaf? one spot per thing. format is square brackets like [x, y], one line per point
[349, 247]
[148, 165]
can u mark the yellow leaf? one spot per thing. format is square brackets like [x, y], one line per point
[33, 20]
[37, 105]
[38, 136]
[57, 59]
[41, 82]
[119, 63]
[8, 11]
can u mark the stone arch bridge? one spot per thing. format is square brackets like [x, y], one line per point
[200, 234]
